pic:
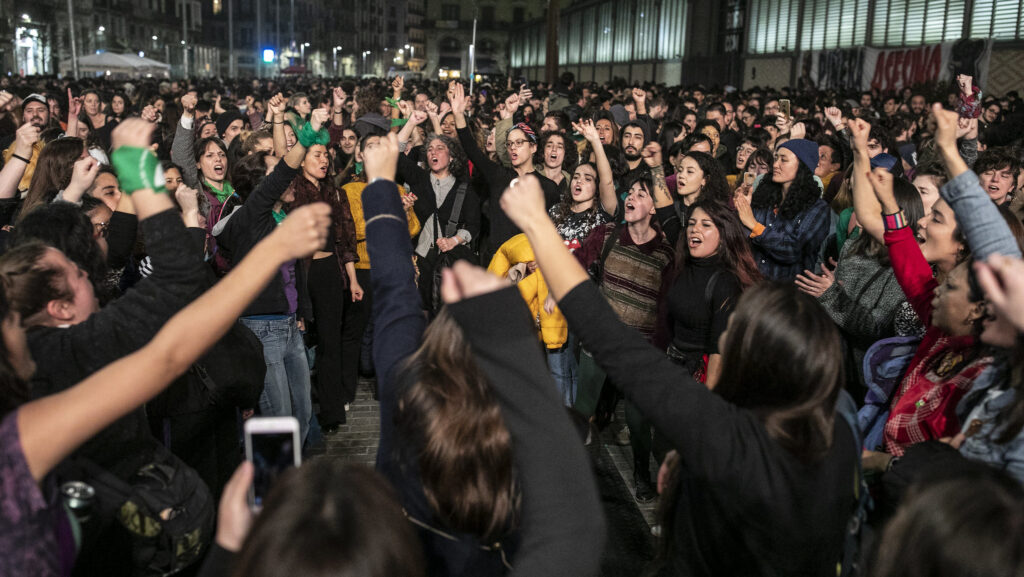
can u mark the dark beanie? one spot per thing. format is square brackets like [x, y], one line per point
[225, 120]
[805, 150]
[371, 123]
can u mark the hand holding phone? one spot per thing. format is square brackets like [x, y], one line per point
[272, 445]
[784, 107]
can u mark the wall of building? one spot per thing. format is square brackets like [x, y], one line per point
[775, 72]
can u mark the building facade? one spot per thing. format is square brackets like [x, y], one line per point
[38, 35]
[448, 28]
[749, 43]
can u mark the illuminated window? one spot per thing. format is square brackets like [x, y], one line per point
[218, 6]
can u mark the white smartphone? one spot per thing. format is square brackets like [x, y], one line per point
[272, 446]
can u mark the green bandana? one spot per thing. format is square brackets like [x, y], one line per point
[279, 216]
[359, 168]
[221, 194]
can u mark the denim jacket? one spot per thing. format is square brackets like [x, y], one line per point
[991, 394]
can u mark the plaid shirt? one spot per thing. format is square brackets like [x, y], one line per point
[944, 368]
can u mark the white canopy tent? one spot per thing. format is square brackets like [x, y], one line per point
[122, 65]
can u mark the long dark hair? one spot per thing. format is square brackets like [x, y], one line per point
[459, 438]
[966, 525]
[331, 519]
[44, 281]
[53, 172]
[909, 201]
[733, 246]
[774, 325]
[716, 186]
[803, 192]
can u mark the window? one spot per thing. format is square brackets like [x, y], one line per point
[916, 22]
[673, 29]
[773, 25]
[449, 12]
[996, 19]
[450, 44]
[217, 6]
[834, 24]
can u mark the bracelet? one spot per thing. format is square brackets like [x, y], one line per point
[21, 158]
[895, 221]
[137, 169]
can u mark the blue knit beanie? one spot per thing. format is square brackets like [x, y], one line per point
[805, 150]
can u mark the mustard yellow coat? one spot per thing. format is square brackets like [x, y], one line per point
[554, 329]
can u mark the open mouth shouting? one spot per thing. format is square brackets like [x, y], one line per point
[694, 241]
[219, 170]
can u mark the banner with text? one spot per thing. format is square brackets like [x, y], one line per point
[896, 68]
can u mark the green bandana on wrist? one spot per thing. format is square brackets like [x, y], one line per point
[138, 169]
[308, 137]
[279, 216]
[392, 101]
[359, 168]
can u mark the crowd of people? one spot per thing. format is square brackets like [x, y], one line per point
[810, 305]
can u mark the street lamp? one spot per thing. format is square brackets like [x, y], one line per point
[365, 54]
[334, 56]
[302, 52]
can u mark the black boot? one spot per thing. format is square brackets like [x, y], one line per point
[644, 489]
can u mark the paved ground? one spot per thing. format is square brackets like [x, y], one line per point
[630, 544]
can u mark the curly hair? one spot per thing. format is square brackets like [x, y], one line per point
[571, 157]
[563, 210]
[459, 165]
[803, 192]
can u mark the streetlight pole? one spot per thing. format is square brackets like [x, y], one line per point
[231, 39]
[71, 28]
[184, 36]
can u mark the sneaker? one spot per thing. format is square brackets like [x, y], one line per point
[622, 437]
[644, 491]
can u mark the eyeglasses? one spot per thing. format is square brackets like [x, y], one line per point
[515, 143]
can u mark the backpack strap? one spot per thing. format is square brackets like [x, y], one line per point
[709, 290]
[609, 243]
[453, 219]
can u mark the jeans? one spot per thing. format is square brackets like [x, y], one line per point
[562, 364]
[286, 386]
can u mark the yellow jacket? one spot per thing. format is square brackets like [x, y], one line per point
[354, 191]
[26, 177]
[554, 330]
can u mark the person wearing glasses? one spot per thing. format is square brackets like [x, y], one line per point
[521, 144]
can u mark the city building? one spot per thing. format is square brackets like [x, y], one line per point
[448, 28]
[846, 44]
[35, 37]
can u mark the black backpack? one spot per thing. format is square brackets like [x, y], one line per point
[165, 507]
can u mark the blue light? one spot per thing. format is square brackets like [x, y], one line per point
[268, 55]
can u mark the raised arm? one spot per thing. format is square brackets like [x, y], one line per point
[865, 204]
[908, 262]
[605, 177]
[398, 319]
[183, 147]
[708, 432]
[977, 216]
[552, 465]
[53, 426]
[24, 144]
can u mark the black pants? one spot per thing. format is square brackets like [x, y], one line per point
[333, 310]
[353, 325]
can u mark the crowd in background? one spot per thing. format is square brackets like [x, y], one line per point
[808, 302]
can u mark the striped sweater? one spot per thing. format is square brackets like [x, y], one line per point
[634, 277]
